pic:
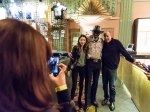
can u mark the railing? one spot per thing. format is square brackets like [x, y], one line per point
[138, 85]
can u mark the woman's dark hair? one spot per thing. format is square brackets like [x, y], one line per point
[24, 53]
[85, 47]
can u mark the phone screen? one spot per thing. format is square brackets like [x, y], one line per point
[53, 65]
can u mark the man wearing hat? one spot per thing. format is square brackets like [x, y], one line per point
[93, 65]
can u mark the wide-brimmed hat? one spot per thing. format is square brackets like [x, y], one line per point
[97, 28]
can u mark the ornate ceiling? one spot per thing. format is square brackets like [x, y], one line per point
[86, 12]
[91, 7]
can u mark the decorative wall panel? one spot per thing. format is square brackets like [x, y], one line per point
[110, 6]
[74, 5]
[125, 22]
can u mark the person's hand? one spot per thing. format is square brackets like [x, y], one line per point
[148, 75]
[149, 66]
[60, 79]
[68, 73]
[71, 57]
[137, 62]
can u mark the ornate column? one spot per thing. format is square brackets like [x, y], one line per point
[125, 22]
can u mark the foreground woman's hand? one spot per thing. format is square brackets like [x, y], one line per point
[60, 79]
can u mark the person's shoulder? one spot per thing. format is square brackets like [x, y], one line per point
[101, 40]
[115, 40]
[89, 38]
[74, 47]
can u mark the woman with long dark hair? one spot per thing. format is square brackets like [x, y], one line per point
[77, 65]
[25, 85]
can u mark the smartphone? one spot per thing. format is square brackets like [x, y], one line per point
[53, 65]
[146, 67]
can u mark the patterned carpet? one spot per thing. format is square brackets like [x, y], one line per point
[69, 84]
[91, 108]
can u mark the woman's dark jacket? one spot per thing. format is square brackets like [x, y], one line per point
[75, 55]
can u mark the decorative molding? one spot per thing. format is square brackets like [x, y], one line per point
[92, 7]
[110, 6]
[73, 5]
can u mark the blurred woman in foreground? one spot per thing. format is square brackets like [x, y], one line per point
[24, 80]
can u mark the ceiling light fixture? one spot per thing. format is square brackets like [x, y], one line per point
[91, 18]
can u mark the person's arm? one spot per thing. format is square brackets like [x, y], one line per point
[60, 85]
[63, 94]
[123, 51]
[73, 52]
[72, 55]
[69, 65]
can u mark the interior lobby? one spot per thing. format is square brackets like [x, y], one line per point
[127, 20]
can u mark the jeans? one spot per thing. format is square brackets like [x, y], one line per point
[109, 77]
[81, 71]
[92, 72]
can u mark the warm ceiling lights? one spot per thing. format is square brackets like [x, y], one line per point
[92, 18]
